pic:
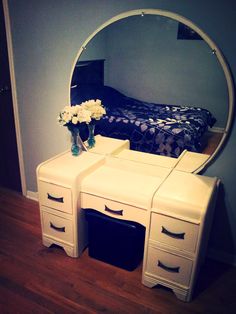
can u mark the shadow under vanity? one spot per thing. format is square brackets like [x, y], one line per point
[160, 193]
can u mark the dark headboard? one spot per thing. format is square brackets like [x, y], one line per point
[89, 72]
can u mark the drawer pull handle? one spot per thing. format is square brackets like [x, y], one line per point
[172, 234]
[55, 199]
[116, 212]
[59, 229]
[168, 268]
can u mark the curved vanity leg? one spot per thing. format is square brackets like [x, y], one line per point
[146, 282]
[70, 251]
[149, 281]
[47, 242]
[181, 294]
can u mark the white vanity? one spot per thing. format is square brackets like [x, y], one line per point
[174, 205]
[59, 185]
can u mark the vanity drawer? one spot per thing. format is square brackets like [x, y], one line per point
[57, 227]
[55, 196]
[168, 266]
[114, 209]
[174, 232]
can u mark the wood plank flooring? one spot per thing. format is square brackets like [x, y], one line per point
[36, 279]
[212, 139]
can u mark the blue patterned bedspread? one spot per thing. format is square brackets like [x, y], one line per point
[153, 128]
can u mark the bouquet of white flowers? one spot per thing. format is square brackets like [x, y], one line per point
[97, 111]
[95, 107]
[71, 116]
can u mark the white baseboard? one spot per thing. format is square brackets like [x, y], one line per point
[32, 195]
[221, 256]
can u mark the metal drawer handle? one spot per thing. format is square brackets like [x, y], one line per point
[172, 234]
[168, 268]
[59, 229]
[116, 212]
[55, 199]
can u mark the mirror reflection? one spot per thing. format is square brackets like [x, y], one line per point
[162, 86]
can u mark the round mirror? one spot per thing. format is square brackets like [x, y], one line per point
[164, 83]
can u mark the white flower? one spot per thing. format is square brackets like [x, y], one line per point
[83, 113]
[95, 107]
[74, 109]
[74, 114]
[75, 120]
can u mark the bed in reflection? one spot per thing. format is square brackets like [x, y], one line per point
[150, 127]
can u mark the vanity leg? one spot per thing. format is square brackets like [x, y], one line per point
[70, 251]
[182, 294]
[47, 242]
[148, 282]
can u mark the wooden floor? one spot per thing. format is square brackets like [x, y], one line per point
[212, 140]
[35, 279]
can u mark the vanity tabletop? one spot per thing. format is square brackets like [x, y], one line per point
[106, 145]
[185, 195]
[65, 167]
[147, 158]
[125, 181]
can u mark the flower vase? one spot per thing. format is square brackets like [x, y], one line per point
[91, 139]
[75, 137]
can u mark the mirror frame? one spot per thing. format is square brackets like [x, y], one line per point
[214, 48]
